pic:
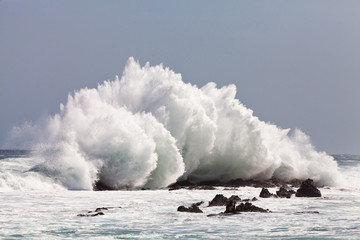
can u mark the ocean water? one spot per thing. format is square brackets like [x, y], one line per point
[33, 206]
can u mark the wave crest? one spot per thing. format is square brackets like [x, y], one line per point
[150, 129]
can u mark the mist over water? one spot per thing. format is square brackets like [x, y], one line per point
[150, 129]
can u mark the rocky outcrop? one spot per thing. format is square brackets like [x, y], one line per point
[230, 185]
[308, 189]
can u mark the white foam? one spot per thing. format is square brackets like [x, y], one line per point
[149, 128]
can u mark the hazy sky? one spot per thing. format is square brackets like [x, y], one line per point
[295, 63]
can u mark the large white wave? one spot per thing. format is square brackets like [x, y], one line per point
[150, 129]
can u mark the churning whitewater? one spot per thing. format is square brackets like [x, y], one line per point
[150, 129]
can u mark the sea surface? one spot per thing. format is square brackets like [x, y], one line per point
[33, 206]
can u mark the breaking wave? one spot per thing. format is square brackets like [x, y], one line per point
[150, 129]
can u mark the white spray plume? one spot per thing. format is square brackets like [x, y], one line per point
[150, 129]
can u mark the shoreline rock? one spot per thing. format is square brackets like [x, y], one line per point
[235, 183]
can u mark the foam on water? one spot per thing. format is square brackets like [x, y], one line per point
[150, 129]
[152, 214]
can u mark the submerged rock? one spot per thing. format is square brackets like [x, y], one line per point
[101, 209]
[308, 189]
[98, 211]
[308, 212]
[91, 215]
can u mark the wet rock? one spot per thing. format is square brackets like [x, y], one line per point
[193, 209]
[101, 186]
[308, 189]
[284, 193]
[91, 215]
[265, 193]
[101, 209]
[199, 203]
[230, 206]
[219, 200]
[202, 187]
[180, 184]
[248, 207]
[308, 212]
[236, 198]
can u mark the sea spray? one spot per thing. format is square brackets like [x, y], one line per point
[150, 129]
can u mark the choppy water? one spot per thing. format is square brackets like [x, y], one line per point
[33, 207]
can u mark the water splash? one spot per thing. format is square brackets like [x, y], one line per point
[150, 129]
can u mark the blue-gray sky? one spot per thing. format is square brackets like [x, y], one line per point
[295, 63]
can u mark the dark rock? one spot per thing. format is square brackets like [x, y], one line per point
[182, 209]
[199, 203]
[308, 189]
[248, 207]
[230, 185]
[180, 184]
[246, 200]
[193, 209]
[308, 212]
[254, 199]
[265, 193]
[219, 200]
[284, 193]
[101, 209]
[230, 206]
[236, 198]
[91, 215]
[202, 187]
[101, 186]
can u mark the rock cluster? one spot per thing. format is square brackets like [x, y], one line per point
[98, 212]
[284, 193]
[221, 200]
[307, 189]
[249, 207]
[194, 208]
